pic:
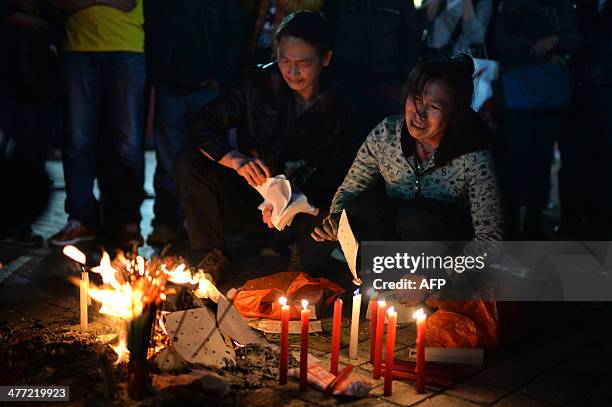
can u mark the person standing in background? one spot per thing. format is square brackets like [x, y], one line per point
[458, 25]
[376, 45]
[193, 49]
[586, 206]
[105, 83]
[532, 33]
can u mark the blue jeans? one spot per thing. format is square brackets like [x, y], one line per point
[106, 107]
[174, 113]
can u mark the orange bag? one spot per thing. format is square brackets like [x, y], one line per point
[259, 297]
[450, 330]
[483, 313]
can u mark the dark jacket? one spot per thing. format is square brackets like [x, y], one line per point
[188, 41]
[522, 22]
[374, 37]
[262, 107]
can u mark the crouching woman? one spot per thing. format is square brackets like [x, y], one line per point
[428, 174]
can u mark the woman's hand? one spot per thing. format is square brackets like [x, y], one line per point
[328, 229]
[266, 216]
[544, 45]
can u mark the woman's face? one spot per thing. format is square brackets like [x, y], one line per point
[429, 115]
[300, 65]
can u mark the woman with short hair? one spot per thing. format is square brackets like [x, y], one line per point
[435, 163]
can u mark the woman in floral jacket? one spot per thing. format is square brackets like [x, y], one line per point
[435, 164]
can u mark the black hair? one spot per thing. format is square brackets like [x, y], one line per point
[309, 26]
[455, 71]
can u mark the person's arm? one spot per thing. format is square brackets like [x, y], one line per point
[444, 25]
[485, 197]
[476, 20]
[72, 6]
[210, 133]
[363, 174]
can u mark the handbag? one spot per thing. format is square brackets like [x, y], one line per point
[536, 87]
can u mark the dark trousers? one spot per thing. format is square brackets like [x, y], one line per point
[105, 90]
[530, 138]
[375, 217]
[173, 114]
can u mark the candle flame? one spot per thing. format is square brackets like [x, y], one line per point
[75, 254]
[381, 303]
[356, 292]
[419, 315]
[283, 301]
[305, 304]
[391, 311]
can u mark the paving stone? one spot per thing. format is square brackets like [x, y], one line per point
[506, 375]
[477, 392]
[554, 387]
[403, 394]
[519, 400]
[442, 400]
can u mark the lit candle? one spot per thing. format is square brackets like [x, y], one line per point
[355, 325]
[373, 311]
[391, 322]
[84, 294]
[284, 351]
[380, 330]
[78, 256]
[421, 319]
[304, 347]
[335, 351]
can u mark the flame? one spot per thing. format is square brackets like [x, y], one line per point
[419, 315]
[391, 311]
[356, 292]
[129, 286]
[381, 303]
[283, 301]
[75, 254]
[205, 289]
[305, 304]
[122, 351]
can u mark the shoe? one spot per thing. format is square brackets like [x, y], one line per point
[217, 265]
[130, 236]
[162, 235]
[74, 232]
[23, 237]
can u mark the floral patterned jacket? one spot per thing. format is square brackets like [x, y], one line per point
[462, 173]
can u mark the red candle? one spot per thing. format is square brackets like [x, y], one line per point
[333, 367]
[421, 318]
[304, 347]
[284, 351]
[373, 311]
[380, 330]
[391, 322]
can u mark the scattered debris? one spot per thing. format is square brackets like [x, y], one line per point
[271, 326]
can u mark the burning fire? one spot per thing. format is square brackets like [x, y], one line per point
[130, 287]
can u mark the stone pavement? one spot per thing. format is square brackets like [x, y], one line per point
[562, 356]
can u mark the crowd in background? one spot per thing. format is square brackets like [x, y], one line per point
[84, 75]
